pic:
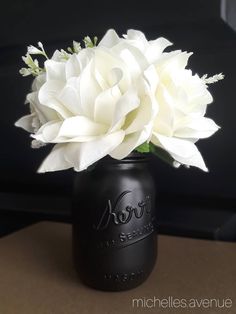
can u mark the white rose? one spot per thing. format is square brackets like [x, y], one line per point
[112, 98]
[98, 102]
[182, 98]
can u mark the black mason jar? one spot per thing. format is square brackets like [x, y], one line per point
[114, 234]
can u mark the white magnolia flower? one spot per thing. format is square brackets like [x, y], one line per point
[109, 99]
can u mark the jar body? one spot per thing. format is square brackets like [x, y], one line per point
[114, 238]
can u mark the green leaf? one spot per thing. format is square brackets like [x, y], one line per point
[161, 153]
[143, 148]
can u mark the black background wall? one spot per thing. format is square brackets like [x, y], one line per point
[190, 202]
[28, 20]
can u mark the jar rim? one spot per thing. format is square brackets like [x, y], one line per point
[131, 158]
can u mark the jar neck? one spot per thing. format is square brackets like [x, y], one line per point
[133, 157]
[133, 160]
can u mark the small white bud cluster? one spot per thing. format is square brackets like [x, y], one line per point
[213, 79]
[90, 43]
[33, 64]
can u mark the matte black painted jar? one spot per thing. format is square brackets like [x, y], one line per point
[114, 234]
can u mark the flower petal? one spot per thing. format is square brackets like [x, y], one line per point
[55, 70]
[133, 58]
[82, 155]
[110, 39]
[49, 90]
[190, 92]
[144, 115]
[196, 128]
[55, 160]
[105, 61]
[172, 61]
[155, 49]
[137, 39]
[38, 82]
[130, 142]
[81, 126]
[26, 122]
[127, 103]
[70, 99]
[152, 78]
[44, 113]
[89, 89]
[183, 151]
[105, 105]
[48, 132]
[48, 96]
[72, 67]
[164, 120]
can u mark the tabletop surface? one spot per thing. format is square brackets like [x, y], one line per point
[37, 277]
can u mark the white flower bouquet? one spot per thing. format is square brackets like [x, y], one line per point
[114, 97]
